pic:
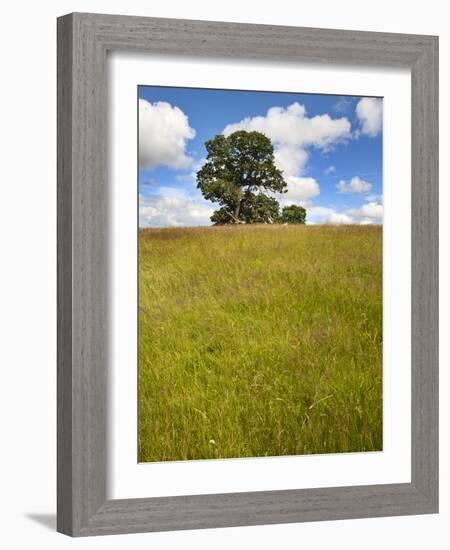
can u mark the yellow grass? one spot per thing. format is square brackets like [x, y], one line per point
[259, 341]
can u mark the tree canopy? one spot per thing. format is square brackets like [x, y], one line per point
[293, 214]
[239, 171]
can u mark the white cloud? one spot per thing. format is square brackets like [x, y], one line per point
[330, 170]
[368, 213]
[317, 214]
[292, 132]
[369, 111]
[291, 159]
[163, 133]
[291, 126]
[299, 190]
[324, 214]
[339, 218]
[320, 211]
[355, 185]
[173, 207]
[371, 210]
[374, 198]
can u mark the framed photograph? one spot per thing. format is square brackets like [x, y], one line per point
[247, 274]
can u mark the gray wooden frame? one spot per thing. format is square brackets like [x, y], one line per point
[83, 41]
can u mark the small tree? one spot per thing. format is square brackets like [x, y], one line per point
[293, 214]
[239, 168]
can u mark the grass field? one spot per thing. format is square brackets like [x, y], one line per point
[259, 341]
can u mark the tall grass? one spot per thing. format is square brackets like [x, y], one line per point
[259, 341]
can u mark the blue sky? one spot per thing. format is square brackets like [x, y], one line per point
[329, 148]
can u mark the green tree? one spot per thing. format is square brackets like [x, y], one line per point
[293, 214]
[260, 209]
[239, 168]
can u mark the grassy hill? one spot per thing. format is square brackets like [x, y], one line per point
[259, 341]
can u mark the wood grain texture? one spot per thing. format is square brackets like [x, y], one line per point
[82, 261]
[64, 299]
[425, 272]
[83, 41]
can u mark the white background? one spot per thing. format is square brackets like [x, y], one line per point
[28, 268]
[131, 480]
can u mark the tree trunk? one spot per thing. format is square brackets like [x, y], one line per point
[237, 210]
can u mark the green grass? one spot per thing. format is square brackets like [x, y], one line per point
[259, 341]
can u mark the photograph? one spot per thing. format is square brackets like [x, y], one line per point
[222, 321]
[260, 274]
